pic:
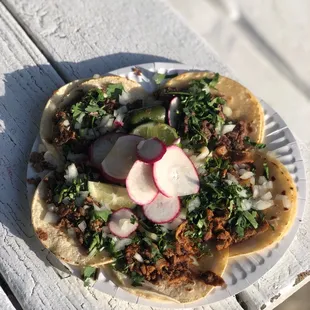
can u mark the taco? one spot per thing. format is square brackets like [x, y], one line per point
[211, 110]
[74, 219]
[81, 111]
[248, 206]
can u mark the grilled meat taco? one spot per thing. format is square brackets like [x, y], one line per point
[211, 110]
[81, 111]
[248, 206]
[80, 221]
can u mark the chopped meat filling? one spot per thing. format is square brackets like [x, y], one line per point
[210, 278]
[174, 266]
[38, 162]
[62, 131]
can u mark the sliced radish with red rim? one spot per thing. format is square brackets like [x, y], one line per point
[140, 184]
[120, 223]
[117, 164]
[162, 209]
[101, 147]
[175, 174]
[151, 150]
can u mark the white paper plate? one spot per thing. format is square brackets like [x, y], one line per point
[243, 271]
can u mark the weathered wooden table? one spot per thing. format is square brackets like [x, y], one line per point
[47, 43]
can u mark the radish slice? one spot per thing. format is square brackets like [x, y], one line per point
[151, 150]
[140, 185]
[102, 146]
[172, 113]
[162, 209]
[117, 164]
[175, 174]
[120, 223]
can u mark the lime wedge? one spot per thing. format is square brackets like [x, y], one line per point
[113, 196]
[163, 132]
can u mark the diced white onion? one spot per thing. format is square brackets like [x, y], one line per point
[109, 124]
[188, 152]
[252, 180]
[138, 257]
[246, 175]
[177, 141]
[262, 180]
[227, 111]
[262, 205]
[286, 202]
[152, 236]
[182, 214]
[267, 196]
[66, 200]
[71, 173]
[96, 76]
[246, 204]
[232, 178]
[193, 204]
[121, 111]
[50, 158]
[79, 201]
[243, 193]
[51, 207]
[124, 98]
[66, 123]
[255, 191]
[269, 185]
[82, 226]
[85, 207]
[241, 171]
[227, 128]
[172, 225]
[104, 120]
[204, 152]
[122, 243]
[71, 232]
[51, 217]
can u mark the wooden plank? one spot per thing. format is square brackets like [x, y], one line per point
[91, 37]
[5, 301]
[27, 80]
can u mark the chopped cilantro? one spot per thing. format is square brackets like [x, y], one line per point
[266, 171]
[102, 214]
[252, 143]
[114, 91]
[198, 105]
[137, 279]
[159, 77]
[88, 274]
[250, 216]
[133, 219]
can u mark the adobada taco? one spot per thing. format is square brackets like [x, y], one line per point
[208, 109]
[81, 111]
[58, 212]
[248, 205]
[181, 272]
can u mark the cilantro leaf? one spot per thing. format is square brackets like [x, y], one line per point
[251, 218]
[158, 78]
[102, 214]
[133, 219]
[266, 171]
[252, 143]
[114, 91]
[89, 273]
[137, 279]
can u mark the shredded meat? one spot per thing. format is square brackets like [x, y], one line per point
[240, 157]
[174, 266]
[251, 232]
[210, 278]
[232, 143]
[62, 134]
[38, 162]
[96, 225]
[206, 128]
